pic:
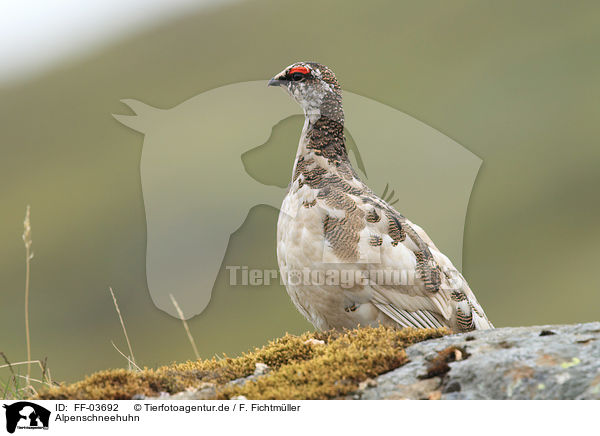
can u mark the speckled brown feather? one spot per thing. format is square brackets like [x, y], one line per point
[340, 210]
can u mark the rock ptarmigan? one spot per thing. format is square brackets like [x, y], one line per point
[347, 257]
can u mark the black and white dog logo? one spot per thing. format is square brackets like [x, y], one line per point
[26, 415]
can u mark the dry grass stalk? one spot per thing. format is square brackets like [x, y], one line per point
[45, 380]
[28, 256]
[185, 326]
[12, 371]
[132, 364]
[132, 358]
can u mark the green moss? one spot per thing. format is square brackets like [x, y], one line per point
[301, 368]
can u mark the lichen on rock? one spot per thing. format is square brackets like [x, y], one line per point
[543, 362]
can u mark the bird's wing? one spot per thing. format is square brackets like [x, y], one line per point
[430, 291]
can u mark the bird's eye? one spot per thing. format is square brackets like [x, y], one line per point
[297, 76]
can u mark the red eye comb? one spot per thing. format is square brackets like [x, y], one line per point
[302, 70]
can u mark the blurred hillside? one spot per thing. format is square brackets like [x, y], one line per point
[516, 83]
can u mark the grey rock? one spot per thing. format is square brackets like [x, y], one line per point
[206, 391]
[545, 362]
[261, 369]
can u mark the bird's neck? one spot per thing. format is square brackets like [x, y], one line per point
[323, 132]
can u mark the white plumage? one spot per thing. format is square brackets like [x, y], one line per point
[348, 257]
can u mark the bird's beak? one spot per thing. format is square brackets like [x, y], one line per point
[278, 80]
[274, 82]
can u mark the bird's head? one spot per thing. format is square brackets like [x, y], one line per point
[312, 85]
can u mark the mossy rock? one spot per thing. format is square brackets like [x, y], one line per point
[319, 365]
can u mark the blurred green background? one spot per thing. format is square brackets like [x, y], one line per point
[515, 82]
